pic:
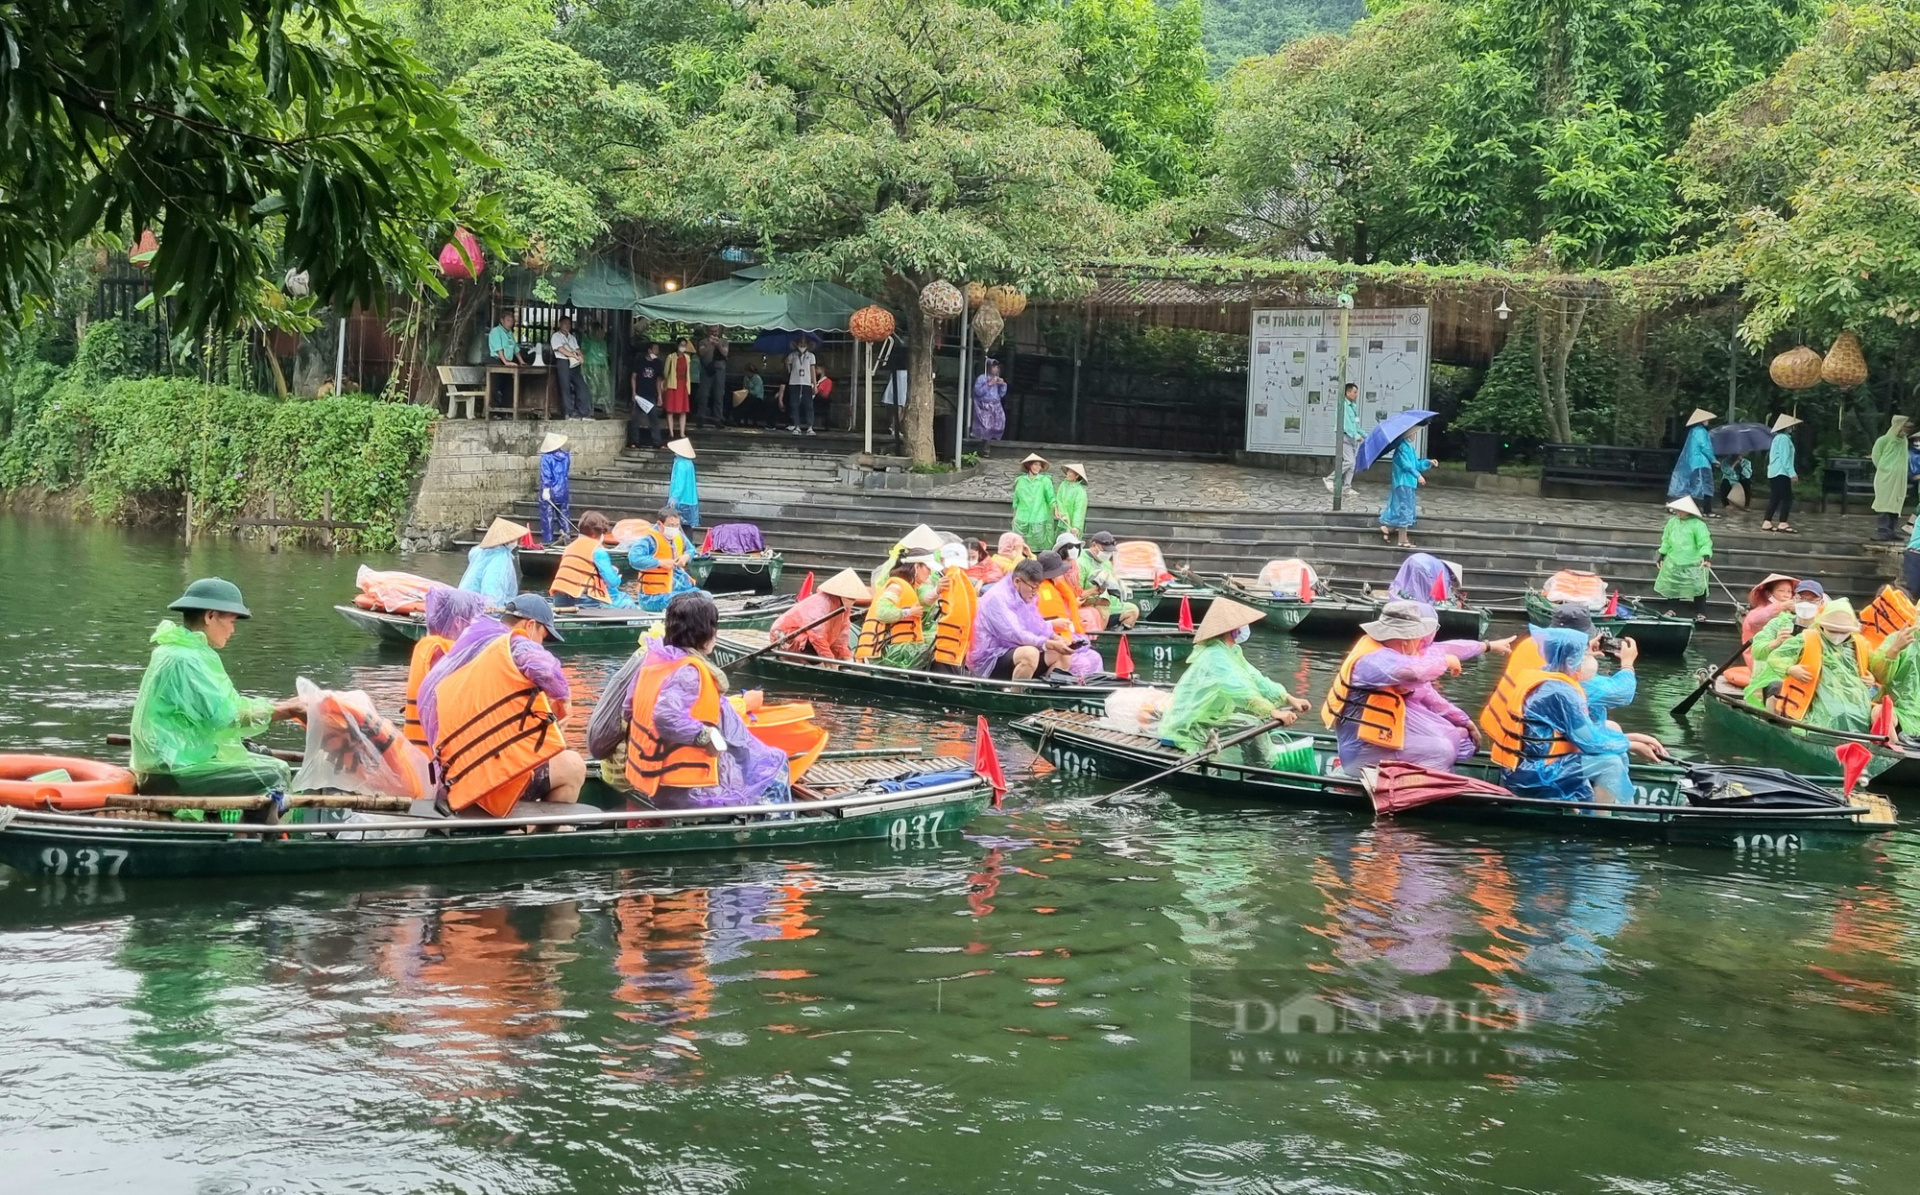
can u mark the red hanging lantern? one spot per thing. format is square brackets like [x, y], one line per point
[453, 265]
[143, 249]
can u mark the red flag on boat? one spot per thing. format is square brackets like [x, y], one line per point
[986, 760]
[1440, 586]
[1123, 661]
[1306, 589]
[1854, 758]
[1613, 605]
[526, 541]
[1395, 786]
[806, 589]
[706, 543]
[1884, 719]
[1186, 613]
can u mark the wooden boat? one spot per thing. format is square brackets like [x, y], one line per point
[758, 572]
[598, 627]
[1166, 600]
[931, 688]
[1338, 613]
[1657, 634]
[1801, 747]
[1083, 744]
[846, 797]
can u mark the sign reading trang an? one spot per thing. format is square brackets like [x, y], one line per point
[1293, 373]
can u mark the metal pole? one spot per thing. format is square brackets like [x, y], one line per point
[1340, 410]
[1733, 361]
[1073, 402]
[960, 397]
[340, 358]
[866, 361]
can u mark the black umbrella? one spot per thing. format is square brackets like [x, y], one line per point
[1741, 437]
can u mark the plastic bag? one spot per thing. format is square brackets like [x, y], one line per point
[1286, 578]
[394, 592]
[1136, 711]
[1573, 587]
[352, 748]
[1140, 560]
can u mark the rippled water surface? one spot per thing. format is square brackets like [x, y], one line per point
[1008, 1011]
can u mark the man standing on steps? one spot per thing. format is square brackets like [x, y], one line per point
[644, 408]
[1349, 439]
[712, 408]
[802, 373]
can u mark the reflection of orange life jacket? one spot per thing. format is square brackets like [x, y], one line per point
[1379, 715]
[877, 636]
[1503, 719]
[1796, 696]
[953, 632]
[650, 761]
[496, 727]
[577, 574]
[426, 654]
[1886, 613]
[660, 579]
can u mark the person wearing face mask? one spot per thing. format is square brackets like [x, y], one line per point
[660, 557]
[1827, 675]
[1604, 693]
[1545, 740]
[1772, 597]
[1809, 597]
[1222, 693]
[1383, 703]
[1010, 639]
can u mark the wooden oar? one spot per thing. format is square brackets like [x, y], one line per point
[773, 643]
[122, 740]
[1687, 703]
[1200, 756]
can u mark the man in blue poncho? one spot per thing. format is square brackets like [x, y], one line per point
[1546, 740]
[1693, 472]
[556, 463]
[492, 571]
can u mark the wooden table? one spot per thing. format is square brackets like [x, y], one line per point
[517, 372]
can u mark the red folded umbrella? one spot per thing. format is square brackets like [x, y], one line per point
[1397, 786]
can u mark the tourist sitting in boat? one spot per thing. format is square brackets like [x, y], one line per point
[1383, 703]
[1058, 601]
[492, 709]
[492, 570]
[1063, 599]
[1772, 597]
[449, 612]
[1426, 578]
[1101, 580]
[586, 575]
[687, 748]
[895, 630]
[660, 557]
[1902, 655]
[189, 722]
[1221, 693]
[1012, 550]
[1604, 693]
[1809, 598]
[832, 639]
[1546, 743]
[921, 541]
[982, 565]
[1686, 559]
[1826, 675]
[955, 606]
[1010, 639]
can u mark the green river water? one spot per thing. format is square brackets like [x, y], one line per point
[1012, 1010]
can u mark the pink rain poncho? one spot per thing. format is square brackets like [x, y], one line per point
[1437, 730]
[1424, 578]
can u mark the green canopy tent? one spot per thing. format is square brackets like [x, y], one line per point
[746, 300]
[598, 285]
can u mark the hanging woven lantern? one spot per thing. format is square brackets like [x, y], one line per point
[987, 324]
[143, 249]
[1844, 366]
[453, 265]
[1796, 369]
[976, 294]
[535, 258]
[942, 300]
[871, 324]
[297, 283]
[1009, 300]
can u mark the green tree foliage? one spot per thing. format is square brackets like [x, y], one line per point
[453, 35]
[688, 49]
[891, 142]
[253, 135]
[1237, 29]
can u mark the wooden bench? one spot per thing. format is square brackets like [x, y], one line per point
[1847, 477]
[466, 390]
[1607, 467]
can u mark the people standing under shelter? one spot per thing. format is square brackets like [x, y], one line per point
[575, 401]
[1693, 471]
[803, 374]
[556, 470]
[597, 367]
[190, 724]
[713, 378]
[661, 557]
[683, 488]
[1383, 704]
[492, 570]
[829, 640]
[1890, 477]
[1349, 439]
[989, 399]
[1035, 505]
[449, 612]
[1686, 558]
[644, 409]
[1071, 499]
[1221, 693]
[1827, 675]
[586, 575]
[676, 388]
[1010, 639]
[1403, 506]
[1547, 742]
[1782, 472]
[503, 348]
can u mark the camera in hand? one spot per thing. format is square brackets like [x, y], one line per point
[1609, 644]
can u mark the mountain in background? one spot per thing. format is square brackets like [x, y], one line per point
[1236, 29]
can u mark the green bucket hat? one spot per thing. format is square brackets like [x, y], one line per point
[212, 593]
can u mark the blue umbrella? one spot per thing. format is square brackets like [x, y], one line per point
[1385, 433]
[1741, 437]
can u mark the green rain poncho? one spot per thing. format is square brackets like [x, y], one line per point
[1843, 701]
[1220, 691]
[1763, 642]
[1033, 502]
[1073, 508]
[1903, 682]
[189, 722]
[1890, 468]
[909, 655]
[1685, 545]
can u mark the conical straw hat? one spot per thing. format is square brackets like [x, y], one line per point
[503, 532]
[1032, 457]
[923, 539]
[553, 443]
[1784, 422]
[1686, 505]
[1078, 469]
[681, 447]
[1224, 616]
[847, 584]
[1700, 415]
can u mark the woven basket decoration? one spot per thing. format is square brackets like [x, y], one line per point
[976, 294]
[1796, 369]
[1009, 300]
[987, 324]
[871, 323]
[1844, 366]
[942, 300]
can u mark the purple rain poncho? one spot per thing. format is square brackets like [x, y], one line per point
[1416, 579]
[742, 539]
[751, 772]
[1437, 730]
[1003, 622]
[451, 611]
[534, 661]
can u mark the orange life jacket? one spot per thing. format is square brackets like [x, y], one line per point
[426, 654]
[1503, 721]
[1525, 657]
[577, 575]
[953, 632]
[1796, 696]
[877, 636]
[1379, 715]
[658, 580]
[1888, 612]
[496, 727]
[651, 762]
[1059, 601]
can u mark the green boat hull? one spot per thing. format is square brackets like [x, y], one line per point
[1166, 605]
[1282, 614]
[1081, 746]
[737, 574]
[1656, 634]
[581, 632]
[1807, 749]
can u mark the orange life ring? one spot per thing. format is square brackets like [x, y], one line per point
[93, 782]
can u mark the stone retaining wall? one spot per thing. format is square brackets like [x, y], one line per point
[476, 468]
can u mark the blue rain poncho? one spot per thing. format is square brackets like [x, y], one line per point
[190, 724]
[555, 467]
[1693, 472]
[493, 573]
[1597, 768]
[1403, 506]
[684, 492]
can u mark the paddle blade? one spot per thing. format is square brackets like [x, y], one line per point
[1613, 605]
[1397, 786]
[986, 760]
[1123, 661]
[806, 588]
[1884, 719]
[1854, 758]
[1186, 613]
